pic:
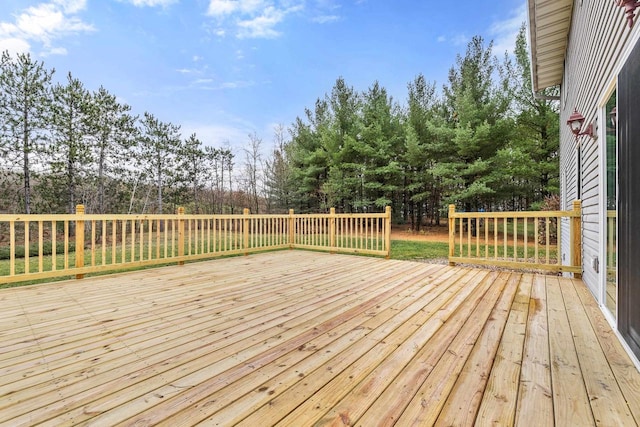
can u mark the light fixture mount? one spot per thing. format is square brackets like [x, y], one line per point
[630, 7]
[575, 122]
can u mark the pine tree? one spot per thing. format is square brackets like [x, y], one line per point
[114, 135]
[278, 174]
[191, 167]
[380, 147]
[253, 171]
[342, 142]
[25, 98]
[481, 128]
[310, 158]
[532, 158]
[427, 145]
[70, 150]
[159, 144]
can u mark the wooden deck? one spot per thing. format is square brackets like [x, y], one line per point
[301, 338]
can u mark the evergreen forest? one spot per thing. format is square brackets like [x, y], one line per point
[481, 141]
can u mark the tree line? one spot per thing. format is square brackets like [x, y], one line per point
[482, 142]
[63, 145]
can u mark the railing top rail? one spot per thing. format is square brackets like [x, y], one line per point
[517, 214]
[343, 215]
[86, 217]
[129, 217]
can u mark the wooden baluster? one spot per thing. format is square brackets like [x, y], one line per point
[180, 234]
[515, 239]
[536, 231]
[12, 247]
[547, 245]
[495, 237]
[526, 247]
[123, 240]
[66, 245]
[40, 247]
[104, 242]
[54, 244]
[486, 237]
[505, 238]
[114, 241]
[27, 255]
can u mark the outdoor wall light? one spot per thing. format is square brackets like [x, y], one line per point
[575, 122]
[630, 9]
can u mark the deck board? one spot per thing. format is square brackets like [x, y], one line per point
[298, 338]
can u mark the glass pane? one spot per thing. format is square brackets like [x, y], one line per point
[612, 204]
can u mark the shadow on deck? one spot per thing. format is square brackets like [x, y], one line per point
[299, 338]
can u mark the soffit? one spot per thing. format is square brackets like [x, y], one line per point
[549, 24]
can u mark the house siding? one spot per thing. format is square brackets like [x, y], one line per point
[597, 40]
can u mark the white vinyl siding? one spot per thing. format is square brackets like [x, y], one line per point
[597, 39]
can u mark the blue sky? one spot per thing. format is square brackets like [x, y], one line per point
[227, 68]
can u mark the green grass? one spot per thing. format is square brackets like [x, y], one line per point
[409, 249]
[47, 249]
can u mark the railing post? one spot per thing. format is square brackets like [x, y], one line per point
[79, 227]
[292, 225]
[181, 234]
[387, 231]
[576, 237]
[245, 231]
[332, 229]
[452, 233]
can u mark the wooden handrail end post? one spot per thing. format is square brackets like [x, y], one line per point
[387, 237]
[452, 233]
[332, 230]
[292, 225]
[79, 228]
[245, 231]
[181, 234]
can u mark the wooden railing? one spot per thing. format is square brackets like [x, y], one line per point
[515, 239]
[46, 246]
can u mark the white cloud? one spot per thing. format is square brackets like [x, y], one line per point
[325, 19]
[222, 7]
[252, 6]
[198, 67]
[261, 26]
[203, 81]
[219, 135]
[71, 6]
[14, 45]
[227, 7]
[43, 24]
[251, 18]
[441, 39]
[504, 32]
[151, 3]
[236, 85]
